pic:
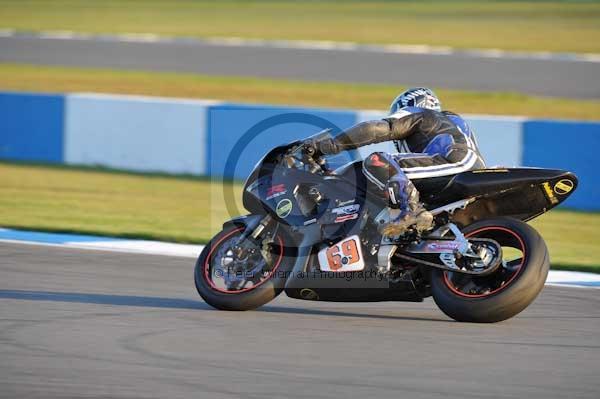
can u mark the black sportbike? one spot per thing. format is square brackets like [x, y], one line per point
[313, 233]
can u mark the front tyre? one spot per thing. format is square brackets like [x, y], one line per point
[230, 280]
[504, 293]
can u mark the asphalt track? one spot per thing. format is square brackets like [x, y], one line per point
[546, 77]
[93, 324]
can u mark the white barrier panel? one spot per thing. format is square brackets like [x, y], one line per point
[148, 134]
[500, 138]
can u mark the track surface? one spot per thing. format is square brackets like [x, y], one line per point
[93, 324]
[555, 77]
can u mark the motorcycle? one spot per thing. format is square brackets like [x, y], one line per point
[313, 233]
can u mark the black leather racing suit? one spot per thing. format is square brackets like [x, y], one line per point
[431, 144]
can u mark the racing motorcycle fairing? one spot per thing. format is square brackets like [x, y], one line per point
[306, 281]
[521, 193]
[297, 197]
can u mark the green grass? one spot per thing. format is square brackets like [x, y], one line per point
[274, 91]
[114, 204]
[573, 239]
[572, 26]
[191, 210]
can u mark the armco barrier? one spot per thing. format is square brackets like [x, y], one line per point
[31, 127]
[567, 145]
[203, 137]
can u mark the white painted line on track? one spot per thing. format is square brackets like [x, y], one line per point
[147, 247]
[578, 279]
[144, 247]
[308, 45]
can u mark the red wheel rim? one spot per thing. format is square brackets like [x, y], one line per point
[215, 246]
[455, 290]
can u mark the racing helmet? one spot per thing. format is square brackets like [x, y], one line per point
[421, 97]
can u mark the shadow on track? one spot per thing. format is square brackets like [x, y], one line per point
[318, 312]
[177, 303]
[104, 299]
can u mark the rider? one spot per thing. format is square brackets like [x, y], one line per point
[430, 143]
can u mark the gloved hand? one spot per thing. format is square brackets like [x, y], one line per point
[320, 147]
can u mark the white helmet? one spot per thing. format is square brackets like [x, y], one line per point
[421, 97]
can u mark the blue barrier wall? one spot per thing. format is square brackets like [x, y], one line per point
[545, 145]
[204, 137]
[31, 127]
[242, 134]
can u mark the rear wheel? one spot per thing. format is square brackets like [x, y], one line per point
[230, 276]
[509, 289]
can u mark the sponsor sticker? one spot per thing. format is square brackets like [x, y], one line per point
[284, 207]
[490, 171]
[342, 203]
[345, 218]
[550, 193]
[346, 210]
[563, 187]
[345, 213]
[276, 191]
[451, 246]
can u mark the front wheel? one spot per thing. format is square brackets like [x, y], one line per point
[505, 292]
[231, 275]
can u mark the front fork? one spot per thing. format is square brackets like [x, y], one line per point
[250, 239]
[311, 235]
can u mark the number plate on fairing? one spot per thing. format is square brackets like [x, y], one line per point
[345, 256]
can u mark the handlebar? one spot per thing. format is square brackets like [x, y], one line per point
[304, 153]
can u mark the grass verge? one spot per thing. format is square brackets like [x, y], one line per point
[64, 199]
[118, 204]
[19, 77]
[561, 26]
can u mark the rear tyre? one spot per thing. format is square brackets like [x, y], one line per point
[507, 291]
[255, 280]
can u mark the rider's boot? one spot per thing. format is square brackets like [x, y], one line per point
[405, 210]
